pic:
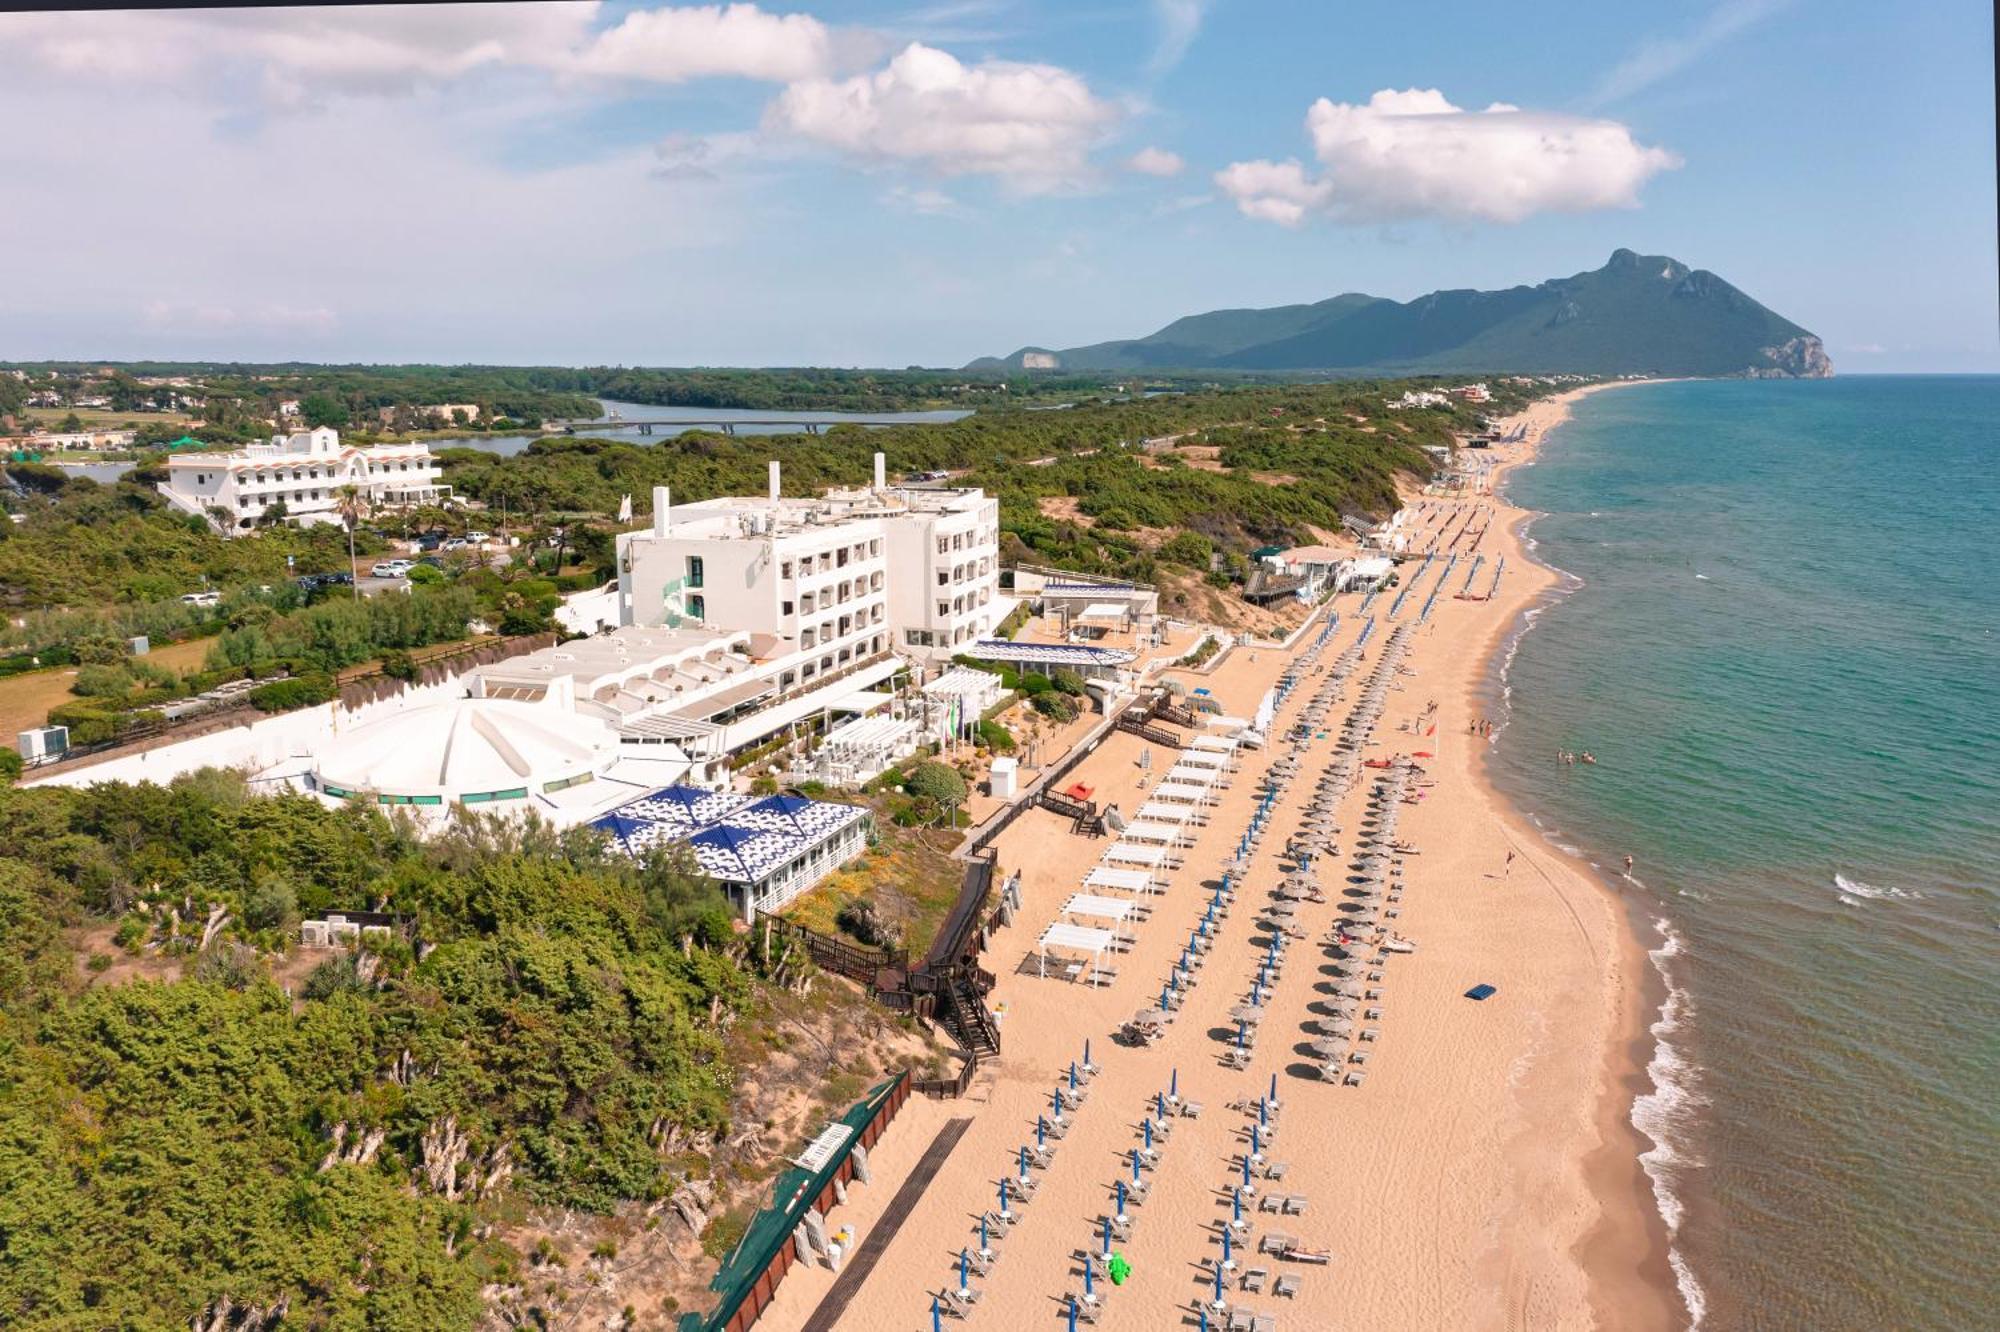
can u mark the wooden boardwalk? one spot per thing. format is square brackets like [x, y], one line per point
[848, 1284]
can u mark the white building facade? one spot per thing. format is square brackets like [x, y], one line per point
[306, 473]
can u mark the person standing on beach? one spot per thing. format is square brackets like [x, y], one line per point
[1628, 867]
[1507, 868]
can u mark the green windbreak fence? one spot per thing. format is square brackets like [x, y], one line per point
[750, 1274]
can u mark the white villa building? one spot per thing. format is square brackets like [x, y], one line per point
[306, 473]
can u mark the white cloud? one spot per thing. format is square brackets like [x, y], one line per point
[396, 47]
[1155, 162]
[1031, 125]
[923, 200]
[1178, 21]
[1413, 154]
[1278, 192]
[669, 45]
[1662, 58]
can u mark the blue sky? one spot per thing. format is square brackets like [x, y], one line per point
[877, 184]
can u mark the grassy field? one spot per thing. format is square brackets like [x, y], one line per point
[25, 700]
[95, 418]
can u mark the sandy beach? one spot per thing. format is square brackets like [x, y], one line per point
[1485, 1175]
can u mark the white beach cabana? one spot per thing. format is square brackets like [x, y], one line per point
[1166, 833]
[1134, 853]
[1164, 811]
[1202, 758]
[1117, 910]
[1076, 938]
[1182, 793]
[1189, 775]
[1120, 880]
[1213, 744]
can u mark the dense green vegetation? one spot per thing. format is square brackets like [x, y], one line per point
[541, 1023]
[1639, 314]
[1296, 458]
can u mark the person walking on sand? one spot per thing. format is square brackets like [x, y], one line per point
[1628, 867]
[1507, 868]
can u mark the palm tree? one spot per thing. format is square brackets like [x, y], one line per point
[353, 507]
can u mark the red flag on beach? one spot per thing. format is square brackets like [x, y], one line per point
[1433, 730]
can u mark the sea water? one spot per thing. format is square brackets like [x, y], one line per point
[1779, 638]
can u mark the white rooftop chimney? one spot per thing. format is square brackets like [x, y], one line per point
[774, 480]
[881, 472]
[663, 503]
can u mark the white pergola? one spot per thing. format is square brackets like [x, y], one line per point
[1230, 724]
[1166, 833]
[1130, 853]
[1121, 880]
[1080, 938]
[1181, 793]
[1214, 744]
[1202, 758]
[1164, 811]
[1184, 775]
[1114, 909]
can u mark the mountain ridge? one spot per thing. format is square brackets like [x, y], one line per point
[1638, 314]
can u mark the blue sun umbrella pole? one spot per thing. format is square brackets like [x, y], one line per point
[1072, 1075]
[1219, 1301]
[1107, 1225]
[1086, 1055]
[1055, 1104]
[1003, 1201]
[1072, 1306]
[964, 1265]
[1256, 1143]
[1121, 1216]
[937, 1316]
[1263, 1111]
[1159, 1107]
[1041, 1132]
[1274, 1089]
[1089, 1285]
[1135, 1165]
[1248, 1187]
[1024, 1163]
[1240, 1025]
[985, 1246]
[1235, 1211]
[1228, 1254]
[1149, 1138]
[1163, 998]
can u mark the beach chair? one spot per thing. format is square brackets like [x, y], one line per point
[1236, 1057]
[1041, 1158]
[1354, 1079]
[1275, 1243]
[1088, 1308]
[1270, 1202]
[1293, 1205]
[1276, 1170]
[1287, 1286]
[1023, 1187]
[981, 1266]
[1368, 1033]
[1263, 1323]
[1298, 1253]
[1192, 1109]
[1254, 1278]
[959, 1303]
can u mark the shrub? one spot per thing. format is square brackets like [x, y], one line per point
[939, 783]
[1057, 707]
[1067, 682]
[1188, 548]
[398, 664]
[298, 692]
[426, 575]
[995, 737]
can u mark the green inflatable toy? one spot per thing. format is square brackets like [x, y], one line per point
[1119, 1268]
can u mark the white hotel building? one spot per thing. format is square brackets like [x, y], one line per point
[305, 472]
[841, 579]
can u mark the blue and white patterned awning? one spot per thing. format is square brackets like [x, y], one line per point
[735, 838]
[1047, 654]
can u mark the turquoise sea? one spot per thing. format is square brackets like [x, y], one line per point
[1780, 639]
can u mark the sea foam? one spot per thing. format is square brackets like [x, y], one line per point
[1664, 1115]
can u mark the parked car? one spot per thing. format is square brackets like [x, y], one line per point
[478, 538]
[391, 568]
[202, 598]
[455, 543]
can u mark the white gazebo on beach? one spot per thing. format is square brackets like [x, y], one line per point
[1202, 758]
[1076, 938]
[1186, 774]
[1165, 833]
[1131, 853]
[1117, 910]
[1164, 811]
[1180, 793]
[1120, 880]
[1212, 744]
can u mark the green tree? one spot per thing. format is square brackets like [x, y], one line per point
[323, 409]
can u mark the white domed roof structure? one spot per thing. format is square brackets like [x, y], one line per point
[470, 751]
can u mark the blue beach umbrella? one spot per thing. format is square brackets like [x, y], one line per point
[1107, 1227]
[1256, 1143]
[1135, 1165]
[1246, 1172]
[1041, 1131]
[937, 1316]
[1148, 1125]
[1121, 1216]
[1024, 1163]
[1227, 1260]
[1072, 1306]
[964, 1260]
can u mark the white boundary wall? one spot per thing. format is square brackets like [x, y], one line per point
[279, 746]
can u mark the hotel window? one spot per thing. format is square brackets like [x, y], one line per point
[944, 577]
[694, 571]
[944, 609]
[875, 546]
[788, 679]
[806, 604]
[483, 797]
[845, 656]
[944, 545]
[787, 607]
[826, 662]
[808, 639]
[810, 671]
[698, 607]
[841, 558]
[785, 569]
